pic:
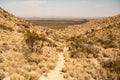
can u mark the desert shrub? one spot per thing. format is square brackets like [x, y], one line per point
[36, 41]
[1, 59]
[5, 27]
[30, 39]
[78, 45]
[25, 25]
[2, 76]
[75, 46]
[108, 43]
[113, 66]
[75, 54]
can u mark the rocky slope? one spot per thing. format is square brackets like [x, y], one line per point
[29, 52]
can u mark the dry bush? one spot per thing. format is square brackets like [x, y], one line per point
[113, 66]
[78, 45]
[37, 50]
[6, 28]
[30, 39]
[2, 76]
[23, 25]
[34, 40]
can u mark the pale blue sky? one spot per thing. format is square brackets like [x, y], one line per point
[62, 8]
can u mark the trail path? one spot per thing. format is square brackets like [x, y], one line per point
[56, 73]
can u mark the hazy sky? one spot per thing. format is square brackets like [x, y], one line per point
[62, 8]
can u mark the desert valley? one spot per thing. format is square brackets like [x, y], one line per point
[87, 51]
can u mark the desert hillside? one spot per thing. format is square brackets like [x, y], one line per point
[94, 55]
[90, 51]
[25, 51]
[92, 25]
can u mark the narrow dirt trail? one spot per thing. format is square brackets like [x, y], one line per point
[56, 73]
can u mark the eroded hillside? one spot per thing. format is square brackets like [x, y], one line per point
[89, 51]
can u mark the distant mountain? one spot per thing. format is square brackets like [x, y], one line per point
[57, 23]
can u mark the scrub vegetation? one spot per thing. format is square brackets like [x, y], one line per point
[88, 51]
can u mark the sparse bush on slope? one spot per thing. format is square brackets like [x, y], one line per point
[109, 38]
[86, 51]
[33, 39]
[6, 28]
[112, 65]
